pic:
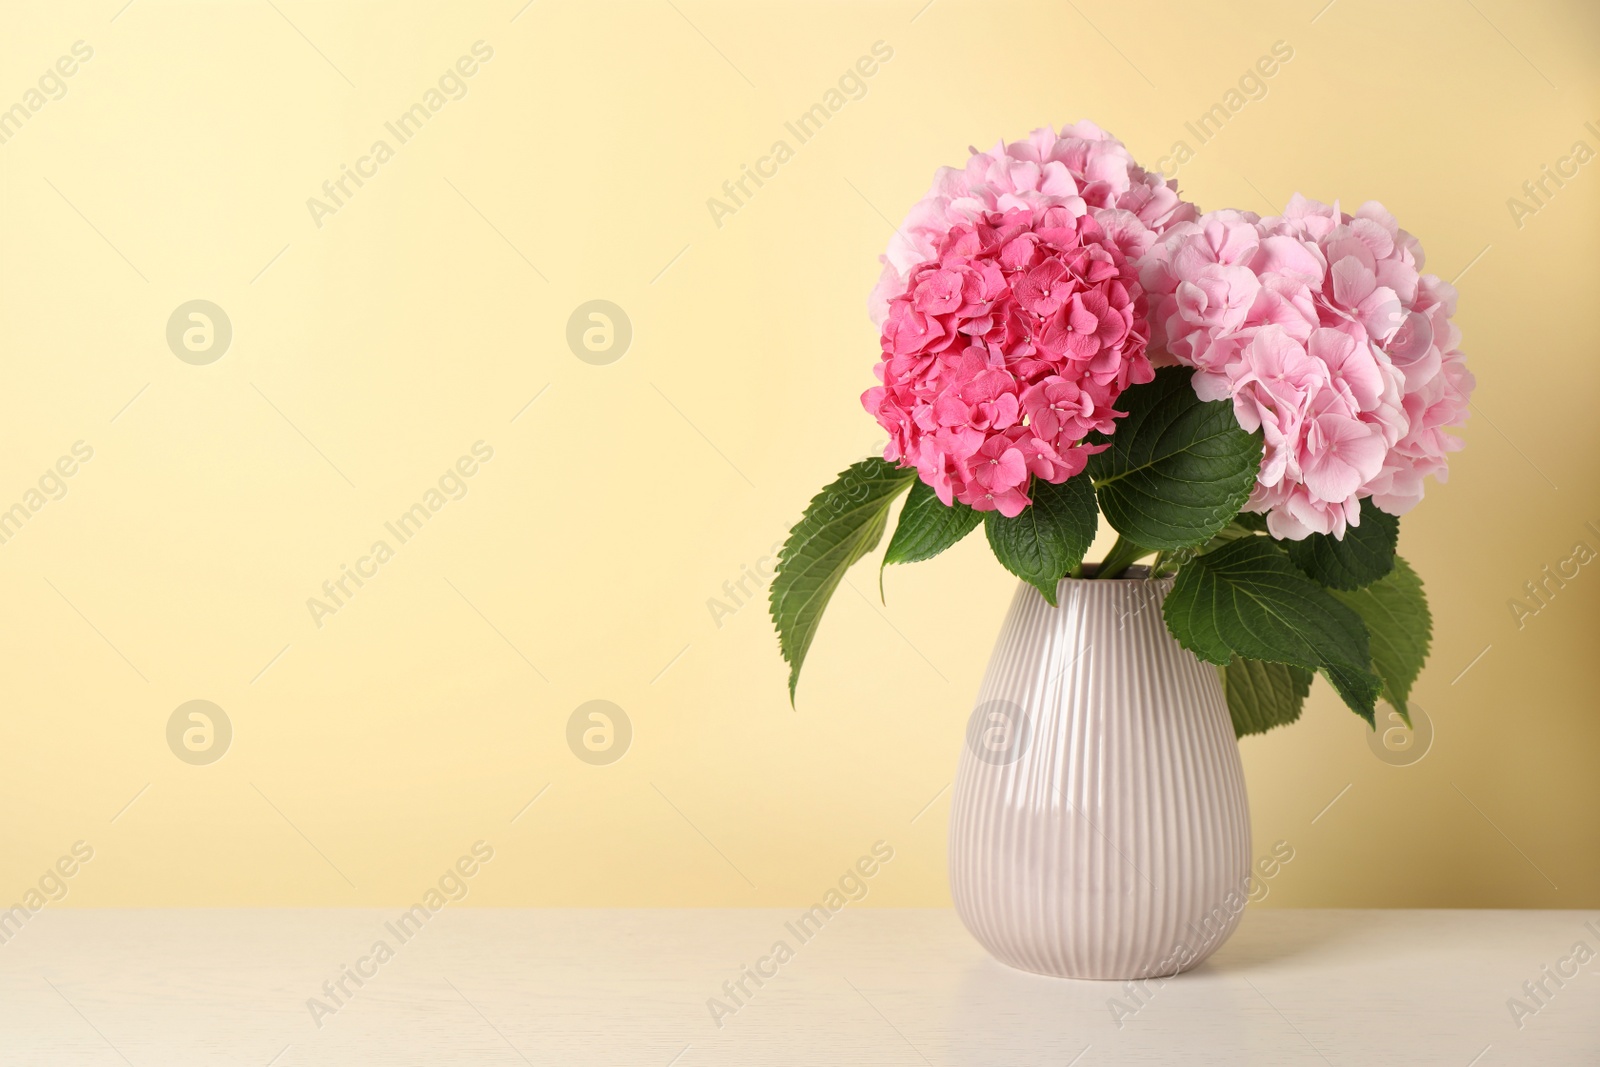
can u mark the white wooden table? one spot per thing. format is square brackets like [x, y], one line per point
[874, 986]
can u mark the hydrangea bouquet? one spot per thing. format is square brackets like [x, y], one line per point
[1251, 402]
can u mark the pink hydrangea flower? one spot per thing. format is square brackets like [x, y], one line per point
[1321, 329]
[1012, 314]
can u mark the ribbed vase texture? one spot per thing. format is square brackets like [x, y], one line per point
[1099, 826]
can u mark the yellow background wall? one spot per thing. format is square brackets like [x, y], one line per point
[372, 351]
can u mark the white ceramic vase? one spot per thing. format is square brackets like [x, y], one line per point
[1099, 826]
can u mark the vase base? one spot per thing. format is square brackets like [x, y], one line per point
[1094, 974]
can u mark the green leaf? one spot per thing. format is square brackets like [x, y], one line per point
[1395, 610]
[1051, 535]
[1262, 695]
[1364, 555]
[927, 527]
[1178, 467]
[1251, 521]
[841, 524]
[1247, 599]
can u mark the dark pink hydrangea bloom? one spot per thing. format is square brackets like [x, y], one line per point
[1012, 315]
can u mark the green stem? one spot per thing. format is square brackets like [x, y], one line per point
[1121, 556]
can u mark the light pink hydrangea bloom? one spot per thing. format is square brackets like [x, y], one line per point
[1320, 328]
[1012, 315]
